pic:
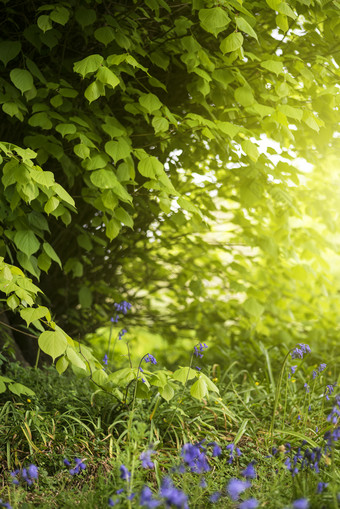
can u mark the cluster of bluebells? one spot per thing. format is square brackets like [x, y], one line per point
[121, 307]
[26, 475]
[150, 358]
[320, 369]
[329, 390]
[79, 466]
[233, 450]
[333, 417]
[299, 351]
[198, 351]
[145, 458]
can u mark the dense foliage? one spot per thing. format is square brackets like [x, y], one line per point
[137, 161]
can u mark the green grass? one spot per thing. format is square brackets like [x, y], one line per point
[68, 418]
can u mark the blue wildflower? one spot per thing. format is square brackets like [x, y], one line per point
[322, 367]
[150, 358]
[251, 503]
[329, 390]
[121, 334]
[122, 307]
[203, 483]
[299, 351]
[131, 496]
[301, 503]
[172, 495]
[145, 458]
[306, 386]
[232, 448]
[124, 473]
[321, 486]
[215, 496]
[236, 487]
[79, 466]
[105, 360]
[5, 504]
[118, 492]
[147, 500]
[249, 471]
[112, 502]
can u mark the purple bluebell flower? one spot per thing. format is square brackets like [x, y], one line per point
[124, 473]
[236, 487]
[322, 367]
[105, 360]
[314, 374]
[121, 334]
[79, 466]
[66, 462]
[147, 499]
[5, 504]
[203, 483]
[150, 358]
[112, 502]
[172, 495]
[118, 492]
[329, 390]
[293, 369]
[249, 472]
[232, 450]
[321, 486]
[28, 475]
[299, 351]
[198, 368]
[251, 503]
[122, 307]
[306, 386]
[131, 496]
[301, 503]
[215, 496]
[217, 451]
[195, 458]
[145, 458]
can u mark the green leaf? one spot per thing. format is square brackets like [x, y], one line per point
[166, 392]
[210, 385]
[273, 66]
[44, 178]
[100, 377]
[81, 151]
[88, 65]
[13, 302]
[199, 389]
[85, 297]
[74, 358]
[244, 95]
[85, 16]
[2, 386]
[21, 79]
[160, 124]
[64, 129]
[124, 217]
[53, 343]
[292, 112]
[150, 102]
[49, 250]
[184, 374]
[112, 228]
[62, 364]
[228, 128]
[119, 149]
[282, 22]
[214, 20]
[104, 179]
[20, 389]
[44, 23]
[32, 314]
[27, 242]
[253, 307]
[9, 50]
[63, 194]
[243, 25]
[233, 42]
[60, 15]
[94, 91]
[40, 120]
[251, 150]
[105, 35]
[107, 77]
[149, 166]
[51, 204]
[284, 8]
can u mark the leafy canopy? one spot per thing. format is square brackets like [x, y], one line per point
[135, 161]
